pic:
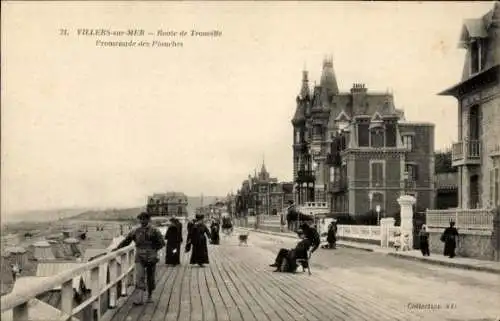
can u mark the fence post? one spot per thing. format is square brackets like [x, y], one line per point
[113, 291]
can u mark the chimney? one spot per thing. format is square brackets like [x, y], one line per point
[43, 251]
[358, 92]
[358, 88]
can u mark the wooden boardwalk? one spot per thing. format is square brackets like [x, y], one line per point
[238, 285]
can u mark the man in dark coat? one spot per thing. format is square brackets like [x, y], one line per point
[174, 240]
[310, 240]
[197, 242]
[331, 237]
[148, 241]
[450, 239]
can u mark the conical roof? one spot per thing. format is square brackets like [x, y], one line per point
[328, 80]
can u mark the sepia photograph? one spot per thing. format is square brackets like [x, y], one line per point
[250, 160]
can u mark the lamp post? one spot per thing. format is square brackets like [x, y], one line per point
[377, 208]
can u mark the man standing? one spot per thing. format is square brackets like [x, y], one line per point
[148, 241]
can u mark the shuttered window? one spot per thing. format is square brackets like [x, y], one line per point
[390, 135]
[363, 135]
[377, 174]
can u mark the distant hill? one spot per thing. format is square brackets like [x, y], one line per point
[112, 214]
[42, 215]
[99, 214]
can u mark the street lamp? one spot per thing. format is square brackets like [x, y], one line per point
[377, 209]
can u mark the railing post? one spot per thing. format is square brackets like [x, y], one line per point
[124, 267]
[94, 281]
[113, 275]
[20, 312]
[67, 297]
[131, 262]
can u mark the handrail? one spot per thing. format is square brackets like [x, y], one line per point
[18, 299]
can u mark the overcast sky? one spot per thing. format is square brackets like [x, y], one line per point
[91, 126]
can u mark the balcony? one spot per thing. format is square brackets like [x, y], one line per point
[305, 176]
[339, 185]
[467, 152]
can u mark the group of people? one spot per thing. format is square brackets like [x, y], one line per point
[149, 240]
[449, 238]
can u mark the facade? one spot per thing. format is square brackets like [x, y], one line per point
[168, 204]
[355, 150]
[476, 154]
[263, 194]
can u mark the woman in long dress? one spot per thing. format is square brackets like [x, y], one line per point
[174, 240]
[197, 242]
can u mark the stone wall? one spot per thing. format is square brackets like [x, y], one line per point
[472, 244]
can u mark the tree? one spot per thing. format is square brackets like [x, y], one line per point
[443, 162]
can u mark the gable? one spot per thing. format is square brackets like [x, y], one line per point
[343, 116]
[376, 117]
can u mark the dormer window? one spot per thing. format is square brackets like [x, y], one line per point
[377, 134]
[475, 56]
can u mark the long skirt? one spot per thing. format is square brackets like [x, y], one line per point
[172, 254]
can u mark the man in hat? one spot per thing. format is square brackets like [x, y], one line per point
[148, 241]
[308, 244]
[197, 241]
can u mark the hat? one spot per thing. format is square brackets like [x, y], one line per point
[199, 216]
[144, 215]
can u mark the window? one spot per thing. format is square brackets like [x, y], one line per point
[332, 174]
[476, 56]
[412, 171]
[377, 199]
[408, 142]
[390, 135]
[377, 173]
[495, 184]
[297, 137]
[377, 137]
[363, 135]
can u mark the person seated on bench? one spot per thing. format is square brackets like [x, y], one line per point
[310, 240]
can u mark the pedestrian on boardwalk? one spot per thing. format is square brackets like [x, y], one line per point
[450, 239]
[424, 241]
[148, 241]
[331, 237]
[197, 242]
[174, 241]
[286, 259]
[214, 233]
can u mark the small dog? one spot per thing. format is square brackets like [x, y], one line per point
[243, 239]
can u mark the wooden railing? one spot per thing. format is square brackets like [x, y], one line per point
[121, 275]
[473, 219]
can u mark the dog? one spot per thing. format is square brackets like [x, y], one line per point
[243, 239]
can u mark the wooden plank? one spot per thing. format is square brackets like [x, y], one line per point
[173, 308]
[234, 291]
[221, 312]
[303, 292]
[160, 295]
[232, 308]
[262, 310]
[194, 293]
[166, 295]
[286, 310]
[185, 299]
[208, 306]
